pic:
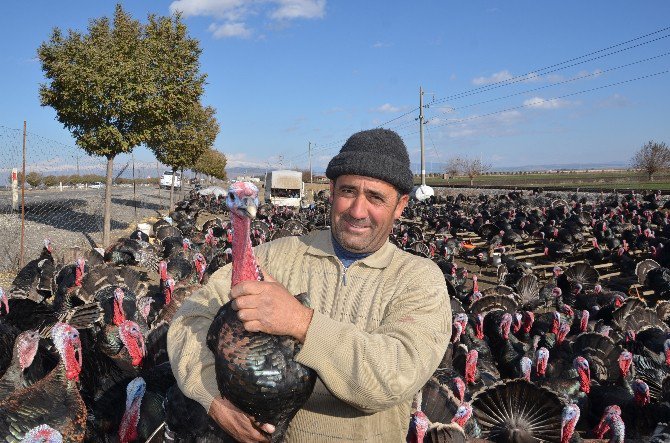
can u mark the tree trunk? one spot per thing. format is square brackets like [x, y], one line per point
[651, 176]
[172, 192]
[472, 180]
[106, 218]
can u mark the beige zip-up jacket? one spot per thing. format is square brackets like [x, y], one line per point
[379, 330]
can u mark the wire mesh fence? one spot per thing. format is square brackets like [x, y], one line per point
[63, 198]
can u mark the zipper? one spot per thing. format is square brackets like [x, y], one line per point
[344, 272]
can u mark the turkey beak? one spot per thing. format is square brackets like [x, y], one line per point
[77, 351]
[5, 303]
[143, 348]
[249, 207]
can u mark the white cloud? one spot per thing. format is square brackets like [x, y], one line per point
[512, 116]
[229, 30]
[592, 74]
[555, 78]
[495, 78]
[446, 109]
[541, 103]
[292, 9]
[377, 45]
[614, 101]
[500, 124]
[387, 107]
[220, 9]
[232, 16]
[505, 75]
[240, 159]
[436, 121]
[334, 110]
[532, 77]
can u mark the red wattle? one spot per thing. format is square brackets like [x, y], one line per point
[119, 315]
[584, 382]
[568, 430]
[128, 428]
[72, 366]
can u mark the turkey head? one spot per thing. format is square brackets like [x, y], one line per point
[67, 342]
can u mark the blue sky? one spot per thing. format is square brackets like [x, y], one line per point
[283, 73]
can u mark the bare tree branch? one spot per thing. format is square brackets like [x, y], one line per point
[454, 167]
[474, 167]
[652, 158]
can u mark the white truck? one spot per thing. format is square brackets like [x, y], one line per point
[284, 188]
[166, 180]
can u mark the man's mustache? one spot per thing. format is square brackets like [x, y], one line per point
[359, 223]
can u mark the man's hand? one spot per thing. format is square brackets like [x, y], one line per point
[267, 306]
[237, 424]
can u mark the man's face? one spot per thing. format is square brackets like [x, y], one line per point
[363, 211]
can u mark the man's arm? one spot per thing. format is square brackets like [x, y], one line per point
[375, 370]
[192, 362]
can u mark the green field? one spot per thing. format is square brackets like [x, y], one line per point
[606, 180]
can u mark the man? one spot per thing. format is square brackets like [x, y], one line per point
[380, 318]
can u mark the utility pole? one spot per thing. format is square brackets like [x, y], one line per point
[423, 191]
[423, 165]
[310, 162]
[77, 165]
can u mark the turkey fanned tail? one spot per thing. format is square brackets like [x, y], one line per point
[518, 410]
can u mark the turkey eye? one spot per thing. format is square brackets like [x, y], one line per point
[231, 196]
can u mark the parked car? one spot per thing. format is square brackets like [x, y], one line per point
[97, 185]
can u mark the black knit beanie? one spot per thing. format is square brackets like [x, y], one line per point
[377, 153]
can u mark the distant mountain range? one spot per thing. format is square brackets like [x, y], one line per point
[438, 168]
[554, 166]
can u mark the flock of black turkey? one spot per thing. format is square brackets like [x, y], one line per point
[561, 307]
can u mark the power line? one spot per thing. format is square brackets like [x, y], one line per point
[398, 117]
[524, 77]
[474, 117]
[544, 71]
[581, 77]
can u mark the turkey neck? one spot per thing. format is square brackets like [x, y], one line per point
[244, 262]
[13, 378]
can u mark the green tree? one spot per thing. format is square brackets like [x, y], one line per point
[182, 128]
[212, 163]
[122, 84]
[652, 158]
[180, 143]
[98, 88]
[52, 180]
[33, 179]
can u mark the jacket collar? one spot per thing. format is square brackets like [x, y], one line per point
[321, 244]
